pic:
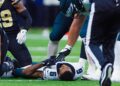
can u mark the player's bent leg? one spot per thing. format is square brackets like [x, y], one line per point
[52, 48]
[60, 27]
[22, 55]
[3, 48]
[20, 52]
[116, 74]
[4, 45]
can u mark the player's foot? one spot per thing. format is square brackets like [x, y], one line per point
[84, 77]
[106, 74]
[90, 77]
[7, 65]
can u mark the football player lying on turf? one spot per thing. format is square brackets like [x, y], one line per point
[60, 70]
[66, 71]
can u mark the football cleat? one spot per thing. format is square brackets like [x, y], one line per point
[7, 65]
[106, 75]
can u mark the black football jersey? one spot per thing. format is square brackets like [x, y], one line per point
[8, 15]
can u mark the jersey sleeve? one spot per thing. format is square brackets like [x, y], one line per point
[14, 2]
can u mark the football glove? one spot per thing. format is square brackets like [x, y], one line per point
[63, 53]
[78, 5]
[70, 11]
[21, 36]
[67, 7]
[50, 61]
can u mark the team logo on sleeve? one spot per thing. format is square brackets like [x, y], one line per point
[1, 2]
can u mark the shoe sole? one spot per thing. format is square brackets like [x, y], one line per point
[107, 74]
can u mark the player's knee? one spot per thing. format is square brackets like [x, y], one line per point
[27, 61]
[54, 37]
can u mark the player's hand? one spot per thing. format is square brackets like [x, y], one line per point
[21, 36]
[78, 5]
[70, 11]
[50, 61]
[63, 53]
[67, 7]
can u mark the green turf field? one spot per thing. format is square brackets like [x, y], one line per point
[37, 45]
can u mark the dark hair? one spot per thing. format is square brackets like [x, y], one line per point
[67, 76]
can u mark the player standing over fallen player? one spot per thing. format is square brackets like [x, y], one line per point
[102, 30]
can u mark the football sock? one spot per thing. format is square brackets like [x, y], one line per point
[52, 48]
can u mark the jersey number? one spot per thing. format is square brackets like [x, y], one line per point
[6, 18]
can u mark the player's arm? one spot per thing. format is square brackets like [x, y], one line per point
[72, 37]
[32, 69]
[23, 12]
[37, 74]
[18, 72]
[75, 29]
[27, 20]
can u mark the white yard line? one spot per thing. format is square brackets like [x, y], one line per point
[15, 80]
[38, 49]
[39, 36]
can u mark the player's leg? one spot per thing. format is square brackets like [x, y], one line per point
[4, 45]
[109, 47]
[98, 35]
[83, 52]
[83, 30]
[60, 27]
[93, 73]
[91, 65]
[116, 74]
[83, 57]
[0, 47]
[95, 35]
[7, 67]
[20, 52]
[3, 48]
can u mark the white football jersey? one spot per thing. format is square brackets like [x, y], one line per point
[50, 73]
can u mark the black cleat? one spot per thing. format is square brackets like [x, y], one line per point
[106, 75]
[7, 65]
